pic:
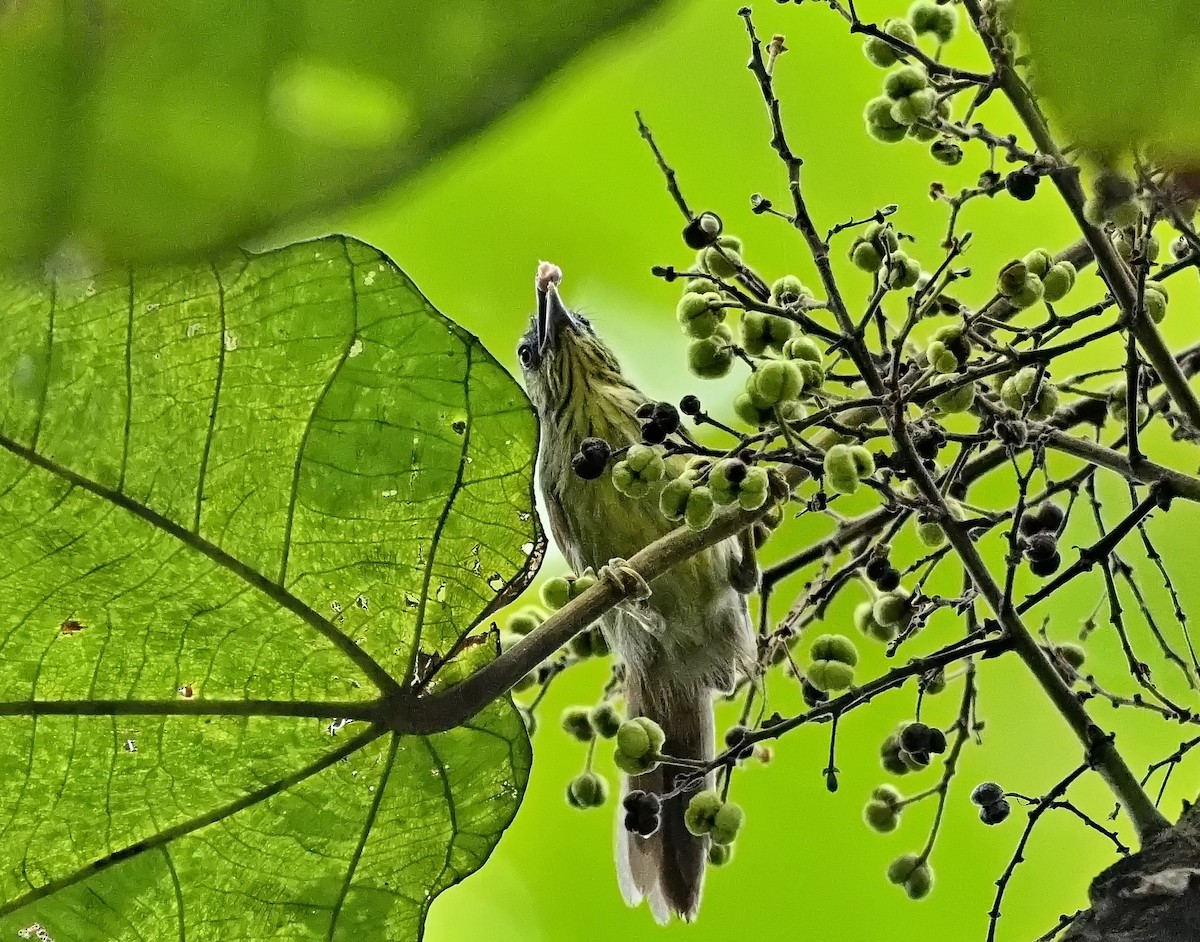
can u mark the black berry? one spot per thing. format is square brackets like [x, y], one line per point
[915, 737]
[591, 459]
[1045, 567]
[735, 739]
[654, 434]
[1051, 517]
[1041, 546]
[1030, 524]
[888, 580]
[937, 741]
[1021, 185]
[689, 405]
[702, 230]
[995, 813]
[987, 793]
[876, 567]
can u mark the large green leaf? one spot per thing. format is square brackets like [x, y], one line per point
[1120, 73]
[239, 503]
[159, 128]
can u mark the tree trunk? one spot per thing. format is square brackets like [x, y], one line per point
[1150, 896]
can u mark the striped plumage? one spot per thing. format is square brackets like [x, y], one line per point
[689, 638]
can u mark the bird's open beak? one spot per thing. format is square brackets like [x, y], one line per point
[552, 315]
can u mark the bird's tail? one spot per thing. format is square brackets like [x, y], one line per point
[667, 868]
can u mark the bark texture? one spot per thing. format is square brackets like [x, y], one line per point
[1150, 896]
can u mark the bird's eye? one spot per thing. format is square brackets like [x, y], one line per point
[525, 355]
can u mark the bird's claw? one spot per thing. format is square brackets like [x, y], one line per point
[627, 579]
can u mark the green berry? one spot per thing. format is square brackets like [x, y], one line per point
[727, 822]
[1058, 281]
[751, 414]
[632, 766]
[893, 609]
[864, 461]
[929, 17]
[726, 479]
[812, 376]
[525, 621]
[880, 816]
[760, 331]
[946, 152]
[919, 882]
[882, 236]
[722, 260]
[940, 357]
[803, 348]
[835, 648]
[774, 382]
[606, 721]
[914, 107]
[880, 124]
[830, 675]
[930, 533]
[633, 739]
[864, 621]
[720, 854]
[700, 509]
[582, 583]
[755, 489]
[903, 271]
[879, 53]
[701, 812]
[1155, 303]
[577, 723]
[588, 789]
[556, 593]
[1072, 654]
[905, 80]
[712, 357]
[672, 501]
[1038, 262]
[1012, 278]
[889, 794]
[1029, 294]
[841, 471]
[866, 256]
[902, 868]
[788, 290]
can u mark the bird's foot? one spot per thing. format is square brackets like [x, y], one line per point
[628, 579]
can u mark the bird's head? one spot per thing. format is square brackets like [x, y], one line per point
[573, 378]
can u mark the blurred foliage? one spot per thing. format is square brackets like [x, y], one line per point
[164, 128]
[1120, 74]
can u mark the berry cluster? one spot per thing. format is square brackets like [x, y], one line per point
[911, 748]
[913, 873]
[832, 666]
[709, 815]
[993, 806]
[643, 813]
[1039, 539]
[882, 812]
[639, 741]
[659, 419]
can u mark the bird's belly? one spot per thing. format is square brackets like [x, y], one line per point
[694, 621]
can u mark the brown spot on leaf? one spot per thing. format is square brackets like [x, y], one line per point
[71, 627]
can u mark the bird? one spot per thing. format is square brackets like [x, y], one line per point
[683, 638]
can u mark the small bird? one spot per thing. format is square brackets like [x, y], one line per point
[689, 634]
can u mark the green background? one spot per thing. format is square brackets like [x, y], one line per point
[566, 178]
